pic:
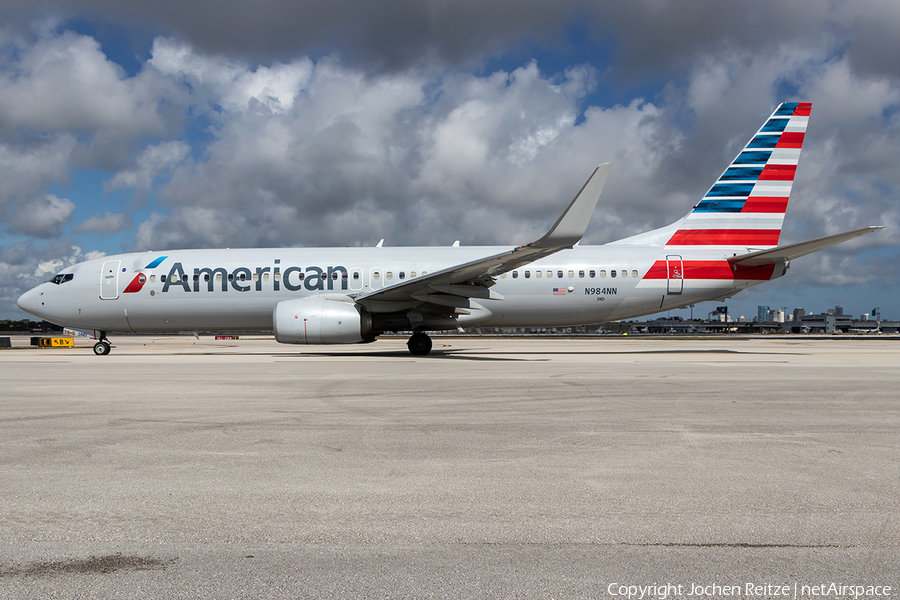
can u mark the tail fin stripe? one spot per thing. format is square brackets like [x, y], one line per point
[760, 204]
[764, 142]
[730, 189]
[720, 206]
[803, 109]
[791, 139]
[723, 237]
[734, 221]
[752, 158]
[742, 174]
[774, 126]
[778, 173]
[788, 109]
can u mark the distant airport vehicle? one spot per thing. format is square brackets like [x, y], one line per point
[726, 243]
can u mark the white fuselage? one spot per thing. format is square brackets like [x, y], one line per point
[238, 289]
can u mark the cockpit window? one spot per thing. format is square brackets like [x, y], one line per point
[62, 278]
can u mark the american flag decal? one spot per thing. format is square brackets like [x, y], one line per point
[559, 291]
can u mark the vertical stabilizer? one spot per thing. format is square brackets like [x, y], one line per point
[746, 206]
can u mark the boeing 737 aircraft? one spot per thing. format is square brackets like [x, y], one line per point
[726, 243]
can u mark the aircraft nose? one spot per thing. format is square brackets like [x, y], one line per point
[30, 302]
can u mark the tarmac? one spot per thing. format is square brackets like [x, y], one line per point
[492, 468]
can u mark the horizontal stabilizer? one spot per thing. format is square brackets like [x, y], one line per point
[792, 251]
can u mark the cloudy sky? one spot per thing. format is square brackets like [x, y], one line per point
[160, 124]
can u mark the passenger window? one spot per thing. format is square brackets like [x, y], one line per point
[634, 273]
[153, 279]
[205, 277]
[502, 275]
[255, 277]
[515, 274]
[376, 275]
[389, 275]
[592, 273]
[424, 273]
[334, 276]
[162, 278]
[265, 277]
[538, 274]
[559, 274]
[276, 277]
[355, 275]
[196, 277]
[218, 277]
[401, 275]
[572, 274]
[231, 277]
[184, 278]
[141, 278]
[527, 274]
[624, 272]
[612, 273]
[602, 273]
[412, 273]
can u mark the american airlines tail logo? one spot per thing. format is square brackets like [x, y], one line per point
[245, 279]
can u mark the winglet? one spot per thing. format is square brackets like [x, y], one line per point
[573, 222]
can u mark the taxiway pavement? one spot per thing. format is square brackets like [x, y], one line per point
[493, 468]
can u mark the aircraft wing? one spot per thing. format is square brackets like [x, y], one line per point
[451, 287]
[792, 251]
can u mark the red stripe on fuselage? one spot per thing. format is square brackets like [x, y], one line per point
[725, 237]
[713, 269]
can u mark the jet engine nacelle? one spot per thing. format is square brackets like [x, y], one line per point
[320, 320]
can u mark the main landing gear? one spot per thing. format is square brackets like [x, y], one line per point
[419, 344]
[102, 347]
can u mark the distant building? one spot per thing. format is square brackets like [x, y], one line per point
[762, 314]
[720, 315]
[799, 313]
[838, 310]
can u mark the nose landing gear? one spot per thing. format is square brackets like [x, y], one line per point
[102, 347]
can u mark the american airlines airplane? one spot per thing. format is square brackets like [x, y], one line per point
[726, 243]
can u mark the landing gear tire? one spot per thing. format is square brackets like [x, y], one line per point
[102, 348]
[419, 344]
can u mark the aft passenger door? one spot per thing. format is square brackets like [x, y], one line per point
[675, 274]
[109, 280]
